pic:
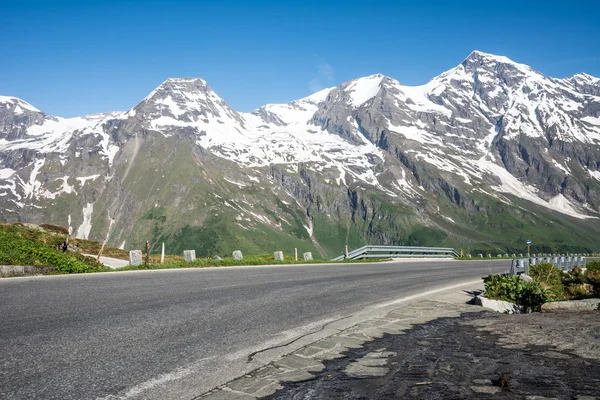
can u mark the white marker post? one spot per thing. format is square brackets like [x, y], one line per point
[162, 254]
[528, 247]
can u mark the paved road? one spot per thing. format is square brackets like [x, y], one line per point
[176, 333]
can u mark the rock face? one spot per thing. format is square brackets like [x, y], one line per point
[469, 160]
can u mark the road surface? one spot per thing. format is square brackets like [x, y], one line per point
[177, 333]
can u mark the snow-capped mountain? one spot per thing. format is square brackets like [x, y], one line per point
[468, 159]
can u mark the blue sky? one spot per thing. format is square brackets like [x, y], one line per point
[72, 58]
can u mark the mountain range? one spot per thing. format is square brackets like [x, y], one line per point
[484, 157]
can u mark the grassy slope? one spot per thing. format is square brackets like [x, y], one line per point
[502, 227]
[22, 245]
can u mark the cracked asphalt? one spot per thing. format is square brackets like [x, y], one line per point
[174, 334]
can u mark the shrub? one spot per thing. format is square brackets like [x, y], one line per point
[530, 295]
[550, 278]
[593, 278]
[533, 296]
[593, 265]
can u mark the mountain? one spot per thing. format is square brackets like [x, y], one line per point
[483, 157]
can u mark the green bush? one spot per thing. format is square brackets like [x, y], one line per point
[533, 296]
[574, 282]
[593, 265]
[550, 278]
[593, 278]
[527, 294]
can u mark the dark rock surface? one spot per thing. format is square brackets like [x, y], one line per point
[475, 356]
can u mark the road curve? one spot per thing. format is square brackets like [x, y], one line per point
[177, 333]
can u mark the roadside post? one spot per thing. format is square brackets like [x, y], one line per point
[147, 261]
[528, 247]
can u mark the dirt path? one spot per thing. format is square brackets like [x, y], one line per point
[110, 262]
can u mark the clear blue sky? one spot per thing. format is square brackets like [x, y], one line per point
[71, 58]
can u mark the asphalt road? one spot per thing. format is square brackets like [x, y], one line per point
[177, 333]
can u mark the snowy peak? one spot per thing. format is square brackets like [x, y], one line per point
[480, 59]
[358, 92]
[16, 116]
[16, 105]
[184, 102]
[584, 83]
[583, 77]
[363, 89]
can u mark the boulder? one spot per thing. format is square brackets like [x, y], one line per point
[500, 306]
[525, 278]
[307, 256]
[571, 305]
[237, 255]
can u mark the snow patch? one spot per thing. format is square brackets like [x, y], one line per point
[364, 89]
[83, 179]
[594, 174]
[83, 232]
[510, 184]
[309, 228]
[238, 184]
[6, 173]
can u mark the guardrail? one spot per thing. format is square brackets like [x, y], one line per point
[398, 252]
[521, 265]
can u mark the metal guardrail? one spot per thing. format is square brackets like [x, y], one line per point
[398, 252]
[521, 265]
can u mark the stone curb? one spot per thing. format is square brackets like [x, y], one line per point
[571, 305]
[23, 270]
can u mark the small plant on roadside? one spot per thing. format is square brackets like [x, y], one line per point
[502, 288]
[530, 295]
[593, 265]
[593, 278]
[550, 278]
[533, 296]
[576, 284]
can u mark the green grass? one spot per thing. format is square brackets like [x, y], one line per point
[22, 245]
